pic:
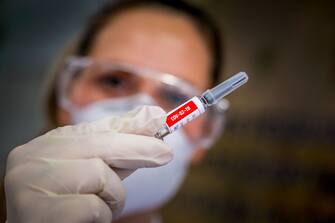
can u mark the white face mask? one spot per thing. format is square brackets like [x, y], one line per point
[147, 188]
[151, 188]
[108, 107]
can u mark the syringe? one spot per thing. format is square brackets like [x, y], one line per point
[197, 105]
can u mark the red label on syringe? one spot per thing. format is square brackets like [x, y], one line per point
[184, 114]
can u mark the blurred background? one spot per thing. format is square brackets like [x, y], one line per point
[276, 160]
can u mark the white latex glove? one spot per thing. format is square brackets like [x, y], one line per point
[73, 173]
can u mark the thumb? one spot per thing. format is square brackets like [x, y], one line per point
[143, 120]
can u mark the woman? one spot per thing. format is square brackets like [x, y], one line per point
[133, 53]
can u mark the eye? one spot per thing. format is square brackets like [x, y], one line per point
[115, 79]
[112, 81]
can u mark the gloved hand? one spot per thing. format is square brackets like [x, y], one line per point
[73, 173]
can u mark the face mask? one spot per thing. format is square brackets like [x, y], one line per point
[108, 107]
[151, 188]
[147, 188]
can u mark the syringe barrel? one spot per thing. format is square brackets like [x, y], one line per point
[181, 115]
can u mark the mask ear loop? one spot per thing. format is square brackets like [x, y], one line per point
[216, 123]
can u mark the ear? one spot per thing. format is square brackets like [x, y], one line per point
[198, 155]
[63, 117]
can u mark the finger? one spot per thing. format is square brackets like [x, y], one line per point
[116, 149]
[101, 140]
[75, 208]
[143, 120]
[90, 176]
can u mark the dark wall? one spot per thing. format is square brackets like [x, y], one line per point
[275, 162]
[33, 33]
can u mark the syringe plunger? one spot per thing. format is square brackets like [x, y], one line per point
[212, 96]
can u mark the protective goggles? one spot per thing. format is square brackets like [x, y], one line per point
[119, 80]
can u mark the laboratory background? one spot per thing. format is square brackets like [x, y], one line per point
[275, 161]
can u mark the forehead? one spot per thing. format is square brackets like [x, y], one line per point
[157, 39]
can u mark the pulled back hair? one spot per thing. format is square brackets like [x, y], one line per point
[202, 21]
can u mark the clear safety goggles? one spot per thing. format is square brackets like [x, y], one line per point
[119, 80]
